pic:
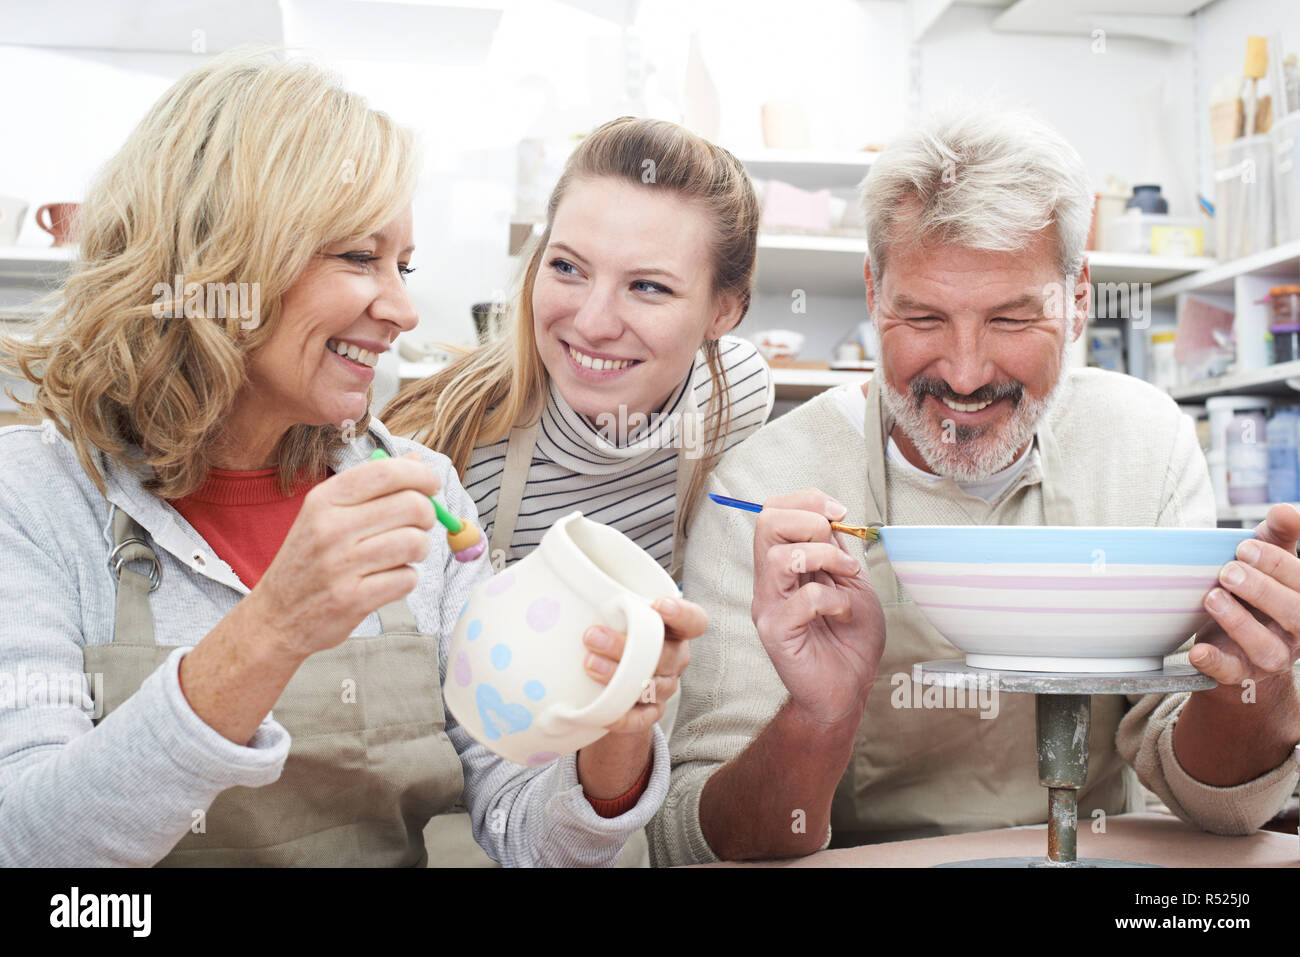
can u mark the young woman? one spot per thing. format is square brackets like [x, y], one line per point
[617, 388]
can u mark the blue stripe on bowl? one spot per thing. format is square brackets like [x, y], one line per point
[994, 544]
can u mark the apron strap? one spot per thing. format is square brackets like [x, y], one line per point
[1058, 506]
[692, 426]
[133, 619]
[396, 617]
[876, 426]
[514, 476]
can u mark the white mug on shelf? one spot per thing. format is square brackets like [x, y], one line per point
[12, 213]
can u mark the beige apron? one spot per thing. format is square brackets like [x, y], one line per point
[875, 779]
[369, 763]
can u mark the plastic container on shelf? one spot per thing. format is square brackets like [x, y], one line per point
[1157, 233]
[1247, 455]
[1243, 196]
[1106, 348]
[1148, 199]
[1285, 302]
[1164, 366]
[1283, 436]
[1221, 409]
[1285, 135]
[1286, 342]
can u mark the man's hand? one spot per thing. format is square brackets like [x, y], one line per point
[1256, 638]
[816, 614]
[1249, 724]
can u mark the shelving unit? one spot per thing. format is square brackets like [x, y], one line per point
[1143, 267]
[800, 384]
[830, 265]
[1282, 379]
[35, 263]
[809, 169]
[1251, 514]
[1279, 263]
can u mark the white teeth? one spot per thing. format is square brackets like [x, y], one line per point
[353, 352]
[966, 406]
[598, 365]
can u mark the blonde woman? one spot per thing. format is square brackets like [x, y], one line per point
[198, 528]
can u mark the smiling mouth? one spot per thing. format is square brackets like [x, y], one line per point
[598, 365]
[358, 355]
[967, 406]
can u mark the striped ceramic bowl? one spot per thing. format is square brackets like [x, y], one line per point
[1043, 598]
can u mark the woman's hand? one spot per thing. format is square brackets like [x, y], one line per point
[609, 767]
[349, 552]
[345, 556]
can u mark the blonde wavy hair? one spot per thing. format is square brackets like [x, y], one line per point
[488, 391]
[243, 170]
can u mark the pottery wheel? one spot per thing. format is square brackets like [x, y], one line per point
[1064, 717]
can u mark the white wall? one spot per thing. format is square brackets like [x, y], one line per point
[1126, 107]
[553, 69]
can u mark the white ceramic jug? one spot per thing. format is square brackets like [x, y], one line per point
[515, 678]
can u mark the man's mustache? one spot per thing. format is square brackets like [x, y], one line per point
[924, 385]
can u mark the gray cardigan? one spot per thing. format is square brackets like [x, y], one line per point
[123, 792]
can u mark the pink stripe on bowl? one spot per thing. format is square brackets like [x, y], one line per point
[1018, 609]
[1047, 583]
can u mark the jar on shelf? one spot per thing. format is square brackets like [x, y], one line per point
[1223, 411]
[1283, 437]
[1285, 325]
[1164, 367]
[1247, 458]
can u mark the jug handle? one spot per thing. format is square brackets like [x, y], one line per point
[645, 642]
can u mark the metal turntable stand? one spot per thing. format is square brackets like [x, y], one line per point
[1064, 712]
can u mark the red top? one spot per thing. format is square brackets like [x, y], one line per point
[243, 516]
[245, 519]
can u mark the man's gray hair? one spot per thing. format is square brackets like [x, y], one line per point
[979, 178]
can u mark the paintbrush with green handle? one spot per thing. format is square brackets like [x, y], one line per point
[465, 540]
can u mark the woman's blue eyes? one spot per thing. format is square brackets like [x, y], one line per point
[364, 259]
[652, 286]
[640, 285]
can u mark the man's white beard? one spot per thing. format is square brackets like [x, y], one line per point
[971, 453]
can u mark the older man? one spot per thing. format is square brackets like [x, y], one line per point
[789, 732]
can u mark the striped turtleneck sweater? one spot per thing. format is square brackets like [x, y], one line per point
[628, 486]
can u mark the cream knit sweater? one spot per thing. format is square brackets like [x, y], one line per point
[1125, 456]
